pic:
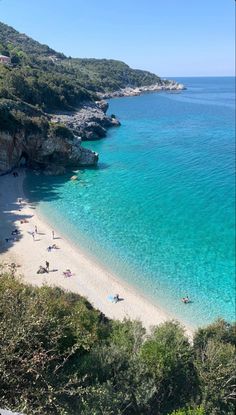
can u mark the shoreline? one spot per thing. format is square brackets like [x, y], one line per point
[169, 86]
[89, 278]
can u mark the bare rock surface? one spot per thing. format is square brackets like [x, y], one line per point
[43, 151]
[164, 85]
[89, 122]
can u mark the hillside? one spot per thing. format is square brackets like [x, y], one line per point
[41, 76]
[105, 75]
[12, 41]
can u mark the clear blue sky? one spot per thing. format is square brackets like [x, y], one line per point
[168, 37]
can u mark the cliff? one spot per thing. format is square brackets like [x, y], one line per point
[38, 143]
[51, 153]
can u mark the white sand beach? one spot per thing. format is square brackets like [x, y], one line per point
[88, 278]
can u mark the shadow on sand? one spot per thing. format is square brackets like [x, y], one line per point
[41, 188]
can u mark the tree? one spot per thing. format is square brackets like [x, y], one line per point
[214, 349]
[215, 366]
[168, 356]
[43, 331]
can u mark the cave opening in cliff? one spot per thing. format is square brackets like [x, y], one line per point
[24, 158]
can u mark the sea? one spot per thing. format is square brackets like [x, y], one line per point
[159, 210]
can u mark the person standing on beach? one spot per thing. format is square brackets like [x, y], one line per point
[52, 234]
[36, 229]
[33, 235]
[47, 266]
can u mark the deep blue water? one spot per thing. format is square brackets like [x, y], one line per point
[159, 210]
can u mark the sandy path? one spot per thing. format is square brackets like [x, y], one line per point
[89, 278]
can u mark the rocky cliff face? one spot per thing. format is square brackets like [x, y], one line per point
[51, 153]
[56, 145]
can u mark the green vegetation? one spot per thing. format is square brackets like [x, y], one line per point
[60, 356]
[105, 75]
[49, 81]
[40, 76]
[11, 39]
[15, 116]
[196, 411]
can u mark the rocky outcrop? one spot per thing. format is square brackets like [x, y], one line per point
[49, 152]
[89, 122]
[163, 85]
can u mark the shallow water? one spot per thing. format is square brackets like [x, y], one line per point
[159, 210]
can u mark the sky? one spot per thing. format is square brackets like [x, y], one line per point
[167, 37]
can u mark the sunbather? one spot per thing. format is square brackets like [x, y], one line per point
[42, 270]
[116, 298]
[67, 273]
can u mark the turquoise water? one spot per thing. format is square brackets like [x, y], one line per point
[159, 210]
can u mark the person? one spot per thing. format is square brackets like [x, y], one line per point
[41, 270]
[33, 235]
[52, 234]
[185, 300]
[47, 266]
[49, 248]
[36, 229]
[15, 232]
[67, 273]
[116, 298]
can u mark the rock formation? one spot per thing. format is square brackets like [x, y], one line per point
[163, 85]
[89, 122]
[49, 152]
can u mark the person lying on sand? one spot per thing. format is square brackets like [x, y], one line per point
[42, 270]
[15, 232]
[67, 273]
[50, 247]
[24, 221]
[116, 298]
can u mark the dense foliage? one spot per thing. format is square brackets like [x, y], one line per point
[40, 76]
[109, 75]
[10, 36]
[49, 81]
[16, 116]
[60, 356]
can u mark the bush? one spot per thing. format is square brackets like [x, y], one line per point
[60, 356]
[60, 130]
[43, 332]
[196, 411]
